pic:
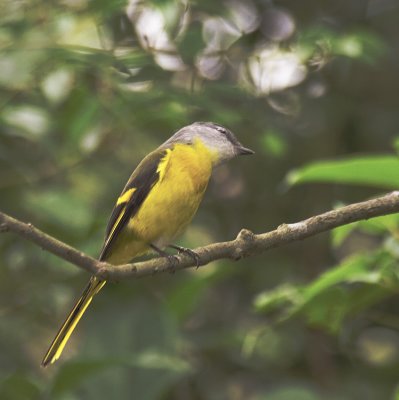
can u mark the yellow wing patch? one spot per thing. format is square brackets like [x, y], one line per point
[163, 164]
[125, 197]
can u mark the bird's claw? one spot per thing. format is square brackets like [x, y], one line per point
[189, 252]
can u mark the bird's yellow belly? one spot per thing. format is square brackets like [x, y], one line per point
[169, 207]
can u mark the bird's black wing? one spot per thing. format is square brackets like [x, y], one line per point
[144, 177]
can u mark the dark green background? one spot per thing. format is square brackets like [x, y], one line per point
[84, 95]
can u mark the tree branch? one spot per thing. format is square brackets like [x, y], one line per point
[246, 244]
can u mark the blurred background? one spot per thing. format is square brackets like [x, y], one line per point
[87, 88]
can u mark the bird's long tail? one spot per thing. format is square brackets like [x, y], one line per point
[65, 332]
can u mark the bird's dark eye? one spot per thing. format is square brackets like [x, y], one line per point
[221, 130]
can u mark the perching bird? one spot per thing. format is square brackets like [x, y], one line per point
[157, 203]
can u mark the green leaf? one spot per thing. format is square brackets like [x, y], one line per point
[354, 269]
[282, 297]
[381, 171]
[356, 283]
[375, 226]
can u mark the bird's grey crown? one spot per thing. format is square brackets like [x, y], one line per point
[220, 128]
[201, 129]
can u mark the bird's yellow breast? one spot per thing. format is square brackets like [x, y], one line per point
[184, 174]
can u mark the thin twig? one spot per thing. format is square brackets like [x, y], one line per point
[246, 244]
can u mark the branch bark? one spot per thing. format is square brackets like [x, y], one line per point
[246, 243]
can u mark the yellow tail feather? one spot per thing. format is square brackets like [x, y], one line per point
[65, 332]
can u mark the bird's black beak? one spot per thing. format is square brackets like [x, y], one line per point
[244, 151]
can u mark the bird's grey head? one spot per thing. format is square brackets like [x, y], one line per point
[215, 137]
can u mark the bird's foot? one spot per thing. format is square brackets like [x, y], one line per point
[172, 259]
[189, 252]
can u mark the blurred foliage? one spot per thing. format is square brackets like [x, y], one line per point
[347, 288]
[372, 171]
[88, 87]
